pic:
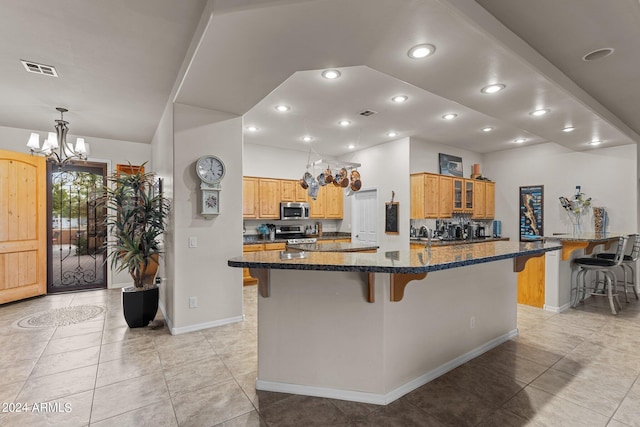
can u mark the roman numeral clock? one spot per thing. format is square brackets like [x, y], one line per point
[210, 169]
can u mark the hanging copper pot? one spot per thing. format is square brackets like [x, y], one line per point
[328, 178]
[356, 184]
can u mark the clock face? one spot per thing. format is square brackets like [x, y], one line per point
[210, 169]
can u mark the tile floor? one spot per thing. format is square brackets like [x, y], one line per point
[578, 368]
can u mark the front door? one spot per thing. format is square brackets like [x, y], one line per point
[78, 231]
[365, 218]
[23, 226]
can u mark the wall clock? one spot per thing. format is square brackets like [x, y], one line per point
[210, 169]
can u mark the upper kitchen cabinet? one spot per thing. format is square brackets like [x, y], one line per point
[427, 192]
[458, 194]
[334, 202]
[469, 187]
[288, 190]
[485, 199]
[317, 206]
[249, 197]
[301, 193]
[269, 196]
[445, 196]
[490, 199]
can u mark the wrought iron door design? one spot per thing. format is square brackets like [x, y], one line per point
[78, 232]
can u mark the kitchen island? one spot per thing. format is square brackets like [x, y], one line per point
[332, 247]
[372, 327]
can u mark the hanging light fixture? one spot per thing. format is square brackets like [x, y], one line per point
[56, 148]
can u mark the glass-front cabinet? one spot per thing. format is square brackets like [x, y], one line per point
[458, 194]
[468, 195]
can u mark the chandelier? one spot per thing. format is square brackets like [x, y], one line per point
[56, 148]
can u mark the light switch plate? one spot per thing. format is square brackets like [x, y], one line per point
[193, 242]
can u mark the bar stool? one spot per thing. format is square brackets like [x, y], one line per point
[629, 261]
[605, 267]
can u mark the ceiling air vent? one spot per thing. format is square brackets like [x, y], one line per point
[367, 113]
[34, 67]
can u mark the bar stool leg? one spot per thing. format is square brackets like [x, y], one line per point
[609, 286]
[633, 280]
[624, 283]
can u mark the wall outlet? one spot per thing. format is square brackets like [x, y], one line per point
[193, 242]
[472, 322]
[193, 302]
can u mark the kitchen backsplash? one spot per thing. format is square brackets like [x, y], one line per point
[328, 226]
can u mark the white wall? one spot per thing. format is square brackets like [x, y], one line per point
[202, 272]
[272, 162]
[424, 157]
[608, 175]
[384, 167]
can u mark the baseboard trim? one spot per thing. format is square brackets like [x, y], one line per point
[205, 325]
[164, 314]
[383, 399]
[555, 309]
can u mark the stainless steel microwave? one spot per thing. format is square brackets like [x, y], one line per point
[292, 210]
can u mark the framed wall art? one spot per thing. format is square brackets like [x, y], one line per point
[391, 218]
[531, 213]
[450, 165]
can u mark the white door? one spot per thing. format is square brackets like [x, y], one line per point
[365, 217]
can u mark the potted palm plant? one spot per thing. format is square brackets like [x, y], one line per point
[136, 223]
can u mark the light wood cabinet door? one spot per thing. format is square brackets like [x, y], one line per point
[301, 193]
[469, 200]
[479, 202]
[416, 208]
[317, 206]
[269, 198]
[247, 279]
[249, 197]
[287, 190]
[334, 202]
[490, 200]
[275, 246]
[458, 195]
[431, 197]
[445, 197]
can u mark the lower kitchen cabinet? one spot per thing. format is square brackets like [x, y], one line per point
[257, 247]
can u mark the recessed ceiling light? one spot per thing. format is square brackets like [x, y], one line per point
[519, 140]
[487, 129]
[595, 142]
[351, 146]
[598, 54]
[493, 88]
[344, 122]
[568, 129]
[392, 134]
[399, 98]
[421, 51]
[307, 138]
[252, 129]
[540, 112]
[331, 74]
[283, 108]
[450, 116]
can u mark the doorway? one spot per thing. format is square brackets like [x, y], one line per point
[365, 217]
[77, 229]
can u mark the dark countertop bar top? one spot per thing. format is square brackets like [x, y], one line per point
[438, 242]
[332, 247]
[586, 237]
[406, 261]
[250, 239]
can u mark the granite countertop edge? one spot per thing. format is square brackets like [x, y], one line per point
[252, 239]
[292, 265]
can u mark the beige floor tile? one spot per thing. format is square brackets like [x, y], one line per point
[123, 333]
[155, 415]
[252, 419]
[15, 337]
[629, 411]
[123, 349]
[260, 399]
[79, 329]
[584, 392]
[16, 370]
[132, 366]
[303, 411]
[509, 363]
[399, 413]
[50, 387]
[9, 392]
[530, 351]
[71, 411]
[241, 363]
[125, 396]
[549, 410]
[211, 405]
[172, 357]
[28, 350]
[62, 345]
[60, 362]
[504, 418]
[193, 376]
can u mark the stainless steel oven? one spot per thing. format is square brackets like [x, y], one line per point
[293, 210]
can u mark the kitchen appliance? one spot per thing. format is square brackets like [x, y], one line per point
[481, 231]
[497, 228]
[302, 241]
[294, 210]
[289, 231]
[472, 231]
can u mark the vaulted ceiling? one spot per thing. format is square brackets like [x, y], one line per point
[119, 60]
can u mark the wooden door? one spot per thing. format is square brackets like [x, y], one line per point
[287, 190]
[431, 191]
[531, 282]
[364, 215]
[334, 202]
[479, 203]
[249, 197]
[301, 193]
[490, 200]
[416, 208]
[445, 203]
[269, 196]
[23, 226]
[317, 206]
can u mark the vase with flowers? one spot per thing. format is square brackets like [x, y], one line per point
[575, 208]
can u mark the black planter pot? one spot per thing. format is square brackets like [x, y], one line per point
[140, 307]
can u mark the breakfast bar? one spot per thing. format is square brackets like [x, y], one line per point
[371, 327]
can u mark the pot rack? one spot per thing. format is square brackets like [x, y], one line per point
[334, 164]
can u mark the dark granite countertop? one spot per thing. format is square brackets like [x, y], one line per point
[586, 237]
[250, 239]
[332, 247]
[437, 242]
[406, 261]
